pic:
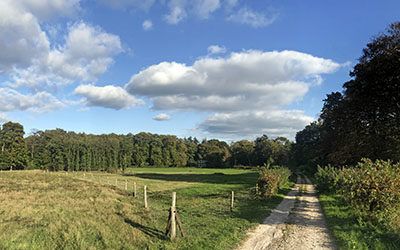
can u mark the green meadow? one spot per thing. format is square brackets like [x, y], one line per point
[96, 210]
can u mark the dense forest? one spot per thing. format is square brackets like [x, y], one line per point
[61, 150]
[362, 121]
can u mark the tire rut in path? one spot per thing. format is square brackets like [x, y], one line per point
[297, 223]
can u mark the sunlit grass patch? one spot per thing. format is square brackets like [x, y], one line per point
[350, 231]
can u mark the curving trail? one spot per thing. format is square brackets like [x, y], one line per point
[297, 223]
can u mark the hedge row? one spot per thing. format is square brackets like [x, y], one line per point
[372, 187]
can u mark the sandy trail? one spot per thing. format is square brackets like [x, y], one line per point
[297, 223]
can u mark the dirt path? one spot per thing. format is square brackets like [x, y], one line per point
[297, 223]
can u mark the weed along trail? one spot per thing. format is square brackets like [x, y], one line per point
[297, 223]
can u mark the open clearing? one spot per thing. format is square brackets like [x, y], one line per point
[94, 211]
[297, 223]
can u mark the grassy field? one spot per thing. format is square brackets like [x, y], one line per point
[94, 211]
[353, 233]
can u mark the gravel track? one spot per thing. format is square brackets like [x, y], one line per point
[297, 223]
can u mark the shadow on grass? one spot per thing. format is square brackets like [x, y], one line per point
[152, 232]
[216, 178]
[146, 230]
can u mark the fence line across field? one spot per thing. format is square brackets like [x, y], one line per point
[174, 222]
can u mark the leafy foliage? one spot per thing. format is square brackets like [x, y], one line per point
[372, 187]
[262, 151]
[327, 179]
[215, 153]
[243, 152]
[272, 179]
[13, 154]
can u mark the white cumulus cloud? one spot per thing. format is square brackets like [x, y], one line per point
[21, 37]
[162, 117]
[45, 9]
[248, 86]
[12, 100]
[242, 80]
[109, 96]
[87, 53]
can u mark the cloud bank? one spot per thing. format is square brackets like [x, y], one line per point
[12, 100]
[35, 66]
[247, 91]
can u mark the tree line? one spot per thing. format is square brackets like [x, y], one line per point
[57, 150]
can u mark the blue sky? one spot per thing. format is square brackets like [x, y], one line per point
[226, 69]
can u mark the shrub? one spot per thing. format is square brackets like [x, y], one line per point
[327, 179]
[372, 187]
[272, 179]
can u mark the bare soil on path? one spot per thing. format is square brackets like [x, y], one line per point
[297, 223]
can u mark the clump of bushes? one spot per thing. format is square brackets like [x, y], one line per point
[372, 187]
[272, 179]
[327, 179]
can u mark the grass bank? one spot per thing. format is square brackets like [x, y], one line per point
[94, 211]
[350, 231]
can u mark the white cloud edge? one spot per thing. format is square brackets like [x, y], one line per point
[109, 96]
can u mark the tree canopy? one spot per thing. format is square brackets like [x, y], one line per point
[13, 153]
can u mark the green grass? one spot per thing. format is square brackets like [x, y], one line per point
[351, 232]
[69, 211]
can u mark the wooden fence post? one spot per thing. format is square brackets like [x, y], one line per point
[134, 189]
[173, 220]
[145, 197]
[126, 184]
[232, 200]
[173, 217]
